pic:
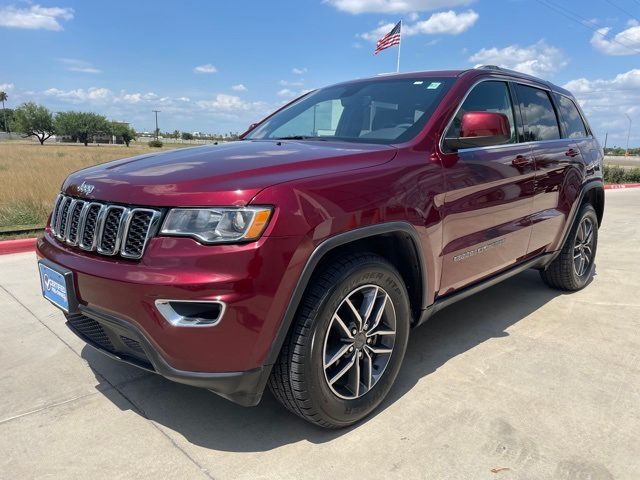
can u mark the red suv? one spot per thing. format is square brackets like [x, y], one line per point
[301, 256]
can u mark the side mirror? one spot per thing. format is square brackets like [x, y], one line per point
[481, 129]
[251, 127]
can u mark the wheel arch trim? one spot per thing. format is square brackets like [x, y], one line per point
[587, 187]
[326, 247]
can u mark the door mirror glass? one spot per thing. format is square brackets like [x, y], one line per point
[251, 127]
[481, 129]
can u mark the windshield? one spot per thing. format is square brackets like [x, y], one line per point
[372, 111]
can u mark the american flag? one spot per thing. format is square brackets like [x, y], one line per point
[389, 40]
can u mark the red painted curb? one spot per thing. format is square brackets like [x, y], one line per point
[618, 186]
[17, 246]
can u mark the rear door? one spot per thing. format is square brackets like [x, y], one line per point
[575, 127]
[558, 166]
[486, 226]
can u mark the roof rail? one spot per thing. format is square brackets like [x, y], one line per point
[506, 70]
[489, 67]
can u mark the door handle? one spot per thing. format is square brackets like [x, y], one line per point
[520, 161]
[571, 153]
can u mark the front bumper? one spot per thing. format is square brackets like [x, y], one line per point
[254, 280]
[125, 342]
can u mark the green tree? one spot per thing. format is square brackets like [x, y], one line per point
[176, 134]
[6, 119]
[82, 126]
[187, 136]
[67, 124]
[124, 131]
[3, 98]
[33, 121]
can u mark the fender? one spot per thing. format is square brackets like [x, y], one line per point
[324, 248]
[590, 185]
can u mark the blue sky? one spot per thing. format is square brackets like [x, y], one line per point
[218, 66]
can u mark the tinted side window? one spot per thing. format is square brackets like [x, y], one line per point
[572, 123]
[486, 97]
[539, 115]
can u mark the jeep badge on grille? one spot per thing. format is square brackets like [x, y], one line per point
[85, 188]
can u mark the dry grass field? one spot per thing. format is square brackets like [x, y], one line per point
[31, 175]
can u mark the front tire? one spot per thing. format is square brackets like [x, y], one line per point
[572, 269]
[347, 342]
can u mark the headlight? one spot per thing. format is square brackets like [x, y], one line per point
[217, 225]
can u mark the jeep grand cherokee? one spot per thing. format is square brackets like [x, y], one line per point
[300, 257]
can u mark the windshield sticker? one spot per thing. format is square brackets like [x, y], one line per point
[433, 85]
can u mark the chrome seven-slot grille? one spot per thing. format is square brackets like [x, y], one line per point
[102, 227]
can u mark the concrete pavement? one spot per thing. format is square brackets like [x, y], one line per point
[517, 382]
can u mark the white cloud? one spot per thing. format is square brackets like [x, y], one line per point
[441, 23]
[80, 95]
[34, 17]
[217, 113]
[85, 69]
[104, 97]
[229, 104]
[628, 81]
[75, 65]
[449, 23]
[287, 83]
[299, 71]
[377, 33]
[287, 93]
[606, 101]
[6, 87]
[413, 16]
[206, 68]
[393, 6]
[627, 42]
[239, 88]
[101, 95]
[536, 59]
[134, 98]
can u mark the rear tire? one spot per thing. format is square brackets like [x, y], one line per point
[334, 372]
[572, 269]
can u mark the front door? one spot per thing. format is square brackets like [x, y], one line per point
[489, 199]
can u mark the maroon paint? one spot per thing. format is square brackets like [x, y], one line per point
[519, 195]
[484, 124]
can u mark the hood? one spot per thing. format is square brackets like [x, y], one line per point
[227, 174]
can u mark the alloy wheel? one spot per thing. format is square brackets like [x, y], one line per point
[583, 247]
[359, 342]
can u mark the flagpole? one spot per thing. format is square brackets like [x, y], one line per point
[399, 45]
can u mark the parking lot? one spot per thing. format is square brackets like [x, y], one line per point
[519, 381]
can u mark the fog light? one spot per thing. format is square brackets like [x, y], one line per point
[191, 313]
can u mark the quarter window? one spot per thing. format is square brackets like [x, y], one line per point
[486, 97]
[539, 114]
[572, 123]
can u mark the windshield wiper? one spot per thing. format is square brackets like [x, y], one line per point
[300, 137]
